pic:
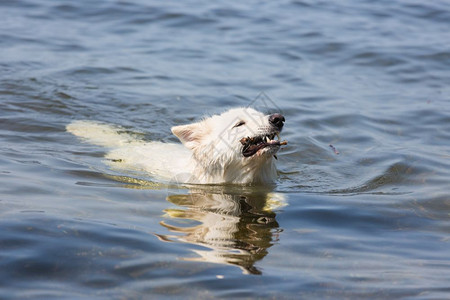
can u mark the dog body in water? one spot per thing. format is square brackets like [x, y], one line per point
[237, 146]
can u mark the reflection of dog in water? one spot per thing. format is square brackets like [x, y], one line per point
[235, 229]
[238, 146]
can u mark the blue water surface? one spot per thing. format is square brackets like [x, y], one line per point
[365, 218]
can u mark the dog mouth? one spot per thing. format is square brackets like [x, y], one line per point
[251, 145]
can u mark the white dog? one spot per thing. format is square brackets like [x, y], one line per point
[237, 146]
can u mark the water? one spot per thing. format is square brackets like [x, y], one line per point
[368, 77]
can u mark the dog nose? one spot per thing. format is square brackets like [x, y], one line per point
[277, 120]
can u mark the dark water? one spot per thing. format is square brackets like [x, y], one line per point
[369, 77]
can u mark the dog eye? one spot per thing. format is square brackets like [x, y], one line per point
[240, 123]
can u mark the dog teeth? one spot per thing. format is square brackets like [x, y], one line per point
[269, 139]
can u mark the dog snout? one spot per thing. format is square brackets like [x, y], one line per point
[277, 120]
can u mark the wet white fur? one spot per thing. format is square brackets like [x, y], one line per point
[211, 152]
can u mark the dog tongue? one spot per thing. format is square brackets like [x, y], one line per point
[253, 149]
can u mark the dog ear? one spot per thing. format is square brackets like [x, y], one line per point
[190, 135]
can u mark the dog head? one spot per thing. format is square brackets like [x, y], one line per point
[239, 142]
